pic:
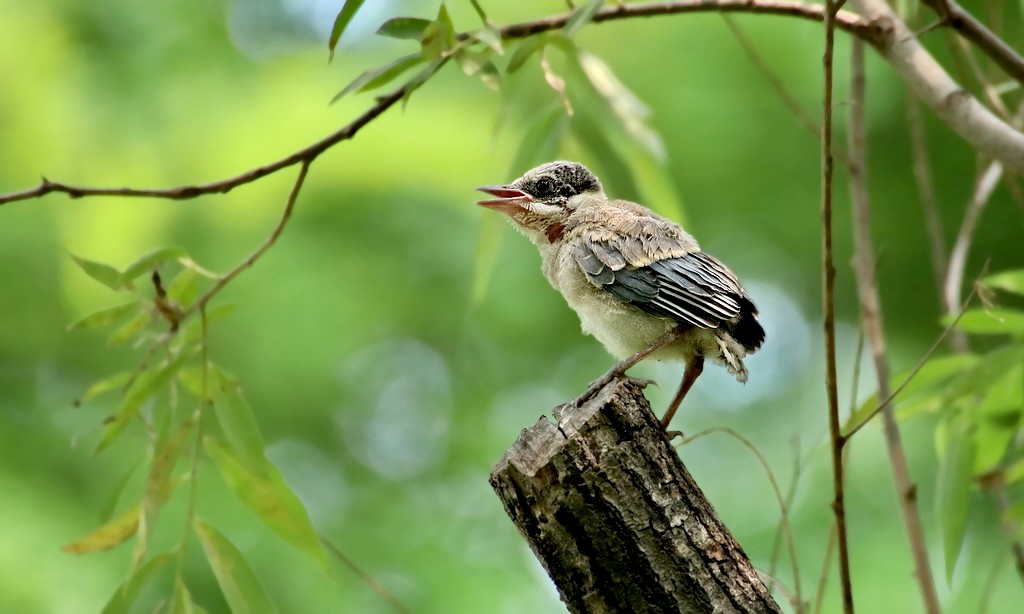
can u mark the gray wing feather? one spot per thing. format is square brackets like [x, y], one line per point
[693, 288]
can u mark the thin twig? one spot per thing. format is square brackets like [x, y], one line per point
[973, 30]
[926, 190]
[377, 587]
[826, 566]
[267, 244]
[780, 534]
[828, 307]
[871, 324]
[783, 507]
[920, 365]
[983, 189]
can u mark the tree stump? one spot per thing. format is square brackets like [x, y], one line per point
[615, 518]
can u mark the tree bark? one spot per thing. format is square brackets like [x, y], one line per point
[613, 515]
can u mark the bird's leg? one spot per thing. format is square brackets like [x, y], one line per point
[625, 364]
[693, 370]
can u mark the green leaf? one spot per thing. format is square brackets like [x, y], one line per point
[242, 589]
[380, 76]
[487, 243]
[541, 142]
[630, 111]
[142, 389]
[1015, 472]
[990, 322]
[479, 10]
[111, 534]
[193, 329]
[116, 490]
[420, 78]
[106, 385]
[408, 28]
[934, 372]
[581, 17]
[614, 170]
[523, 52]
[130, 329]
[150, 261]
[439, 35]
[103, 273]
[989, 369]
[1010, 281]
[271, 499]
[991, 442]
[345, 15]
[490, 37]
[184, 288]
[239, 425]
[124, 597]
[181, 600]
[105, 316]
[954, 490]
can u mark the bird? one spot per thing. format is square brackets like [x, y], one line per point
[639, 283]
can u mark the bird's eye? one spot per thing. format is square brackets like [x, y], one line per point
[543, 186]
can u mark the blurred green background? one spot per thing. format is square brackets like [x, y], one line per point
[385, 386]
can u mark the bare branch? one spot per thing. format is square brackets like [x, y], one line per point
[828, 273]
[871, 324]
[973, 30]
[933, 85]
[926, 190]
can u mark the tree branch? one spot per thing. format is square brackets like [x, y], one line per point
[828, 273]
[973, 30]
[933, 85]
[871, 324]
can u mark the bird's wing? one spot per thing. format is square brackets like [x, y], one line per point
[663, 276]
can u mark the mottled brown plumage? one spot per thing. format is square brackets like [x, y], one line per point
[630, 274]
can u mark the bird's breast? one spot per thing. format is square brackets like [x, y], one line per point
[622, 328]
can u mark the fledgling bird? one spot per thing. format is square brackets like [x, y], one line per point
[637, 280]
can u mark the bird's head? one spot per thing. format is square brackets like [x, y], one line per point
[541, 201]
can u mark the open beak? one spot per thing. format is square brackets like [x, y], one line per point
[508, 199]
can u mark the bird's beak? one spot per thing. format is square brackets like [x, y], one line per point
[508, 199]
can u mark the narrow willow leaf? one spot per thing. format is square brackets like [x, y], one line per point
[271, 499]
[934, 372]
[239, 425]
[149, 261]
[954, 491]
[142, 389]
[422, 77]
[124, 597]
[556, 82]
[614, 170]
[103, 273]
[989, 368]
[242, 589]
[181, 599]
[106, 385]
[541, 142]
[111, 534]
[490, 37]
[345, 15]
[408, 28]
[184, 288]
[487, 244]
[193, 329]
[581, 17]
[1010, 281]
[523, 52]
[439, 35]
[1015, 472]
[379, 76]
[115, 491]
[105, 316]
[990, 322]
[631, 112]
[130, 329]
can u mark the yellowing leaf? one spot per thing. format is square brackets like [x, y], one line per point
[113, 533]
[271, 499]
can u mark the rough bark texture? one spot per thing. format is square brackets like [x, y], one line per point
[614, 516]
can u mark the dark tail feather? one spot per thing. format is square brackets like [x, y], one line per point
[747, 330]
